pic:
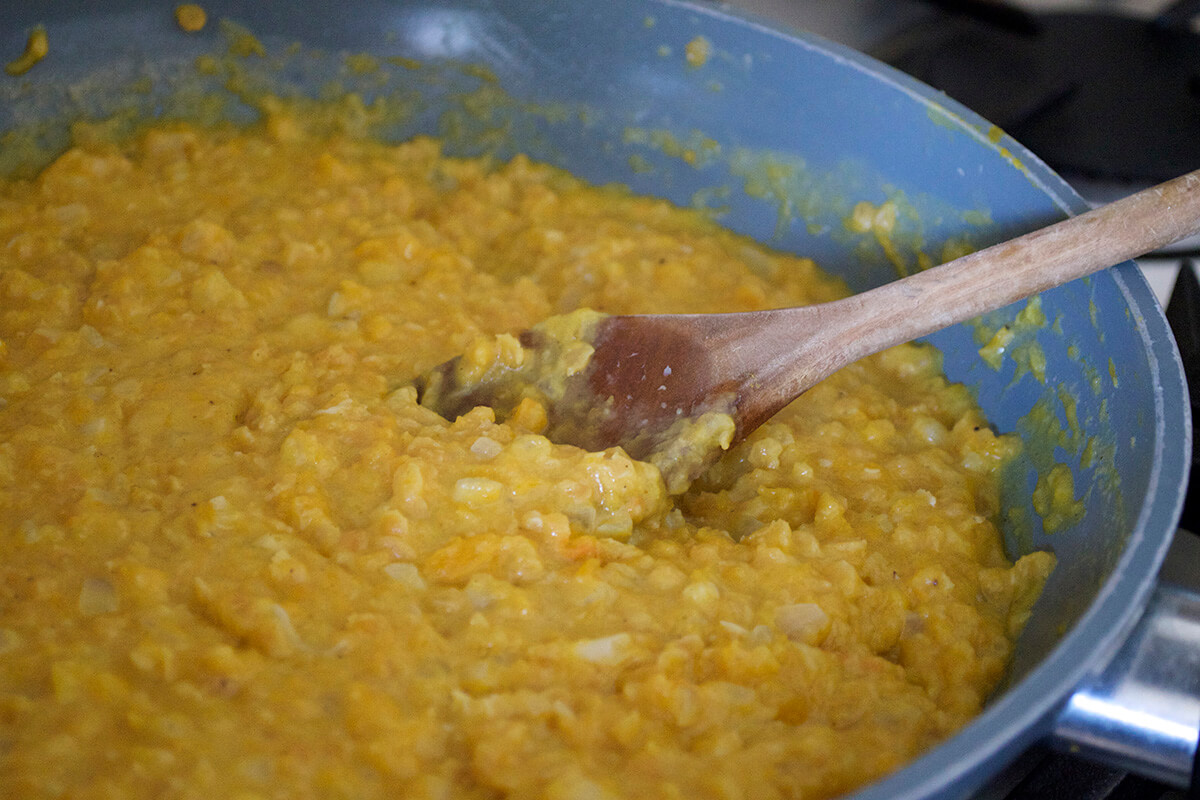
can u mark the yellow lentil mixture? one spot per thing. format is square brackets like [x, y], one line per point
[238, 560]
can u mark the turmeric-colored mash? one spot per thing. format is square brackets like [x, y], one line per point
[238, 560]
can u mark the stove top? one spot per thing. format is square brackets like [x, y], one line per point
[940, 41]
[864, 24]
[1099, 95]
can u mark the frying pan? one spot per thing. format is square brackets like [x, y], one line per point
[780, 134]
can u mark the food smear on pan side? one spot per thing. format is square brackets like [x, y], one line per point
[238, 558]
[37, 46]
[191, 17]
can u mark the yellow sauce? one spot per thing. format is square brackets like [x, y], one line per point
[239, 560]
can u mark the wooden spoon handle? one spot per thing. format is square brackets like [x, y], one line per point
[1005, 273]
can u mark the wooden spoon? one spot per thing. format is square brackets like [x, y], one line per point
[676, 390]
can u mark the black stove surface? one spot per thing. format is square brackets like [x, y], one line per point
[1057, 776]
[1097, 94]
[1183, 313]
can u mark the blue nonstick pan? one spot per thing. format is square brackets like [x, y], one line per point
[781, 134]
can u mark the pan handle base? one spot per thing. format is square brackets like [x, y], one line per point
[1141, 710]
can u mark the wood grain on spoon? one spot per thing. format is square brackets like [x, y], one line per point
[678, 389]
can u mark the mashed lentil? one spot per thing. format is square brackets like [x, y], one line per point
[238, 560]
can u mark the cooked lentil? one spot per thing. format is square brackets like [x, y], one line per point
[237, 559]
